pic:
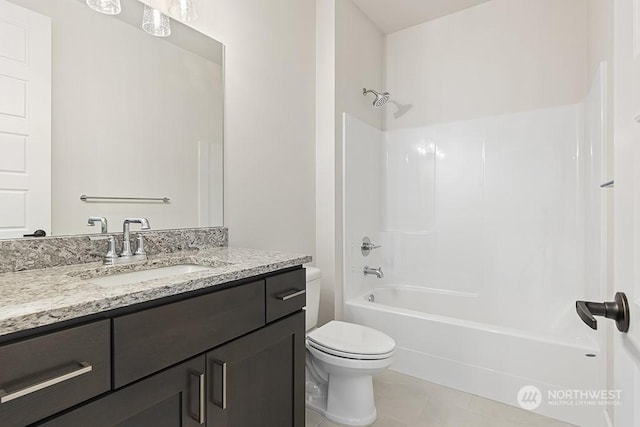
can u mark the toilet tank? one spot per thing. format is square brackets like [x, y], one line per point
[313, 297]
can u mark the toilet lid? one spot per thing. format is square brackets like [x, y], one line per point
[351, 339]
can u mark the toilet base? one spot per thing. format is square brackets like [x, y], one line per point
[341, 388]
[349, 400]
[320, 407]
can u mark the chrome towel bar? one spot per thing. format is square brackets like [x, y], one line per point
[86, 198]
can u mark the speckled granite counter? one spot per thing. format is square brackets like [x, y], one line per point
[33, 298]
[34, 253]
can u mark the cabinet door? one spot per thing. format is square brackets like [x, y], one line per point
[172, 398]
[258, 380]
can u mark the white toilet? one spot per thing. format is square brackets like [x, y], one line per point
[341, 358]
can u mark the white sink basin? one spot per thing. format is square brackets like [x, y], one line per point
[144, 275]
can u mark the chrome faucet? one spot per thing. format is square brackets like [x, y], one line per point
[126, 257]
[377, 271]
[102, 220]
[126, 243]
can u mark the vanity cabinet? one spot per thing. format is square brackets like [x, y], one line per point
[172, 398]
[255, 380]
[227, 357]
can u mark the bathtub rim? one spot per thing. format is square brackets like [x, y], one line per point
[361, 301]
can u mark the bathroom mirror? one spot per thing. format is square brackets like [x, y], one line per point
[133, 118]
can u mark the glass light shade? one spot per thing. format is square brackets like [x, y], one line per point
[108, 7]
[156, 23]
[185, 10]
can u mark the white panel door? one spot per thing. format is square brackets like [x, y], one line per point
[25, 121]
[626, 347]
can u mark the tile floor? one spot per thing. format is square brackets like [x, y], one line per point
[404, 401]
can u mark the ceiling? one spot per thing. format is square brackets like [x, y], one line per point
[395, 15]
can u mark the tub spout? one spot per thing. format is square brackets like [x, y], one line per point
[377, 271]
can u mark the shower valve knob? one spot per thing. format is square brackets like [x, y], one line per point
[366, 247]
[618, 310]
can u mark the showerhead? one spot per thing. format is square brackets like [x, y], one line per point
[381, 98]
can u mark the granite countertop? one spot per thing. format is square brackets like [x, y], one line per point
[33, 298]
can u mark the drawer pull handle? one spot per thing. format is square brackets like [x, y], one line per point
[7, 397]
[203, 403]
[222, 403]
[201, 397]
[294, 294]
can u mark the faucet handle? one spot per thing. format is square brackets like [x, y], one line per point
[112, 254]
[139, 245]
[366, 247]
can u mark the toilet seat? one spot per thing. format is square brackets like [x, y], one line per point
[346, 355]
[348, 340]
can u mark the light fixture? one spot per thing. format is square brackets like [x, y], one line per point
[108, 7]
[185, 10]
[156, 23]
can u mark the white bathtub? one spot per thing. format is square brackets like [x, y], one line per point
[483, 358]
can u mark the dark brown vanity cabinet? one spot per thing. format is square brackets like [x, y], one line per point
[232, 357]
[258, 380]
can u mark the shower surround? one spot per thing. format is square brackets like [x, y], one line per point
[490, 230]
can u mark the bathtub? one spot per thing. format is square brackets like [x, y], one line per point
[486, 359]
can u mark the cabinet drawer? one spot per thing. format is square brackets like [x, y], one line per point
[174, 397]
[285, 294]
[44, 375]
[151, 340]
